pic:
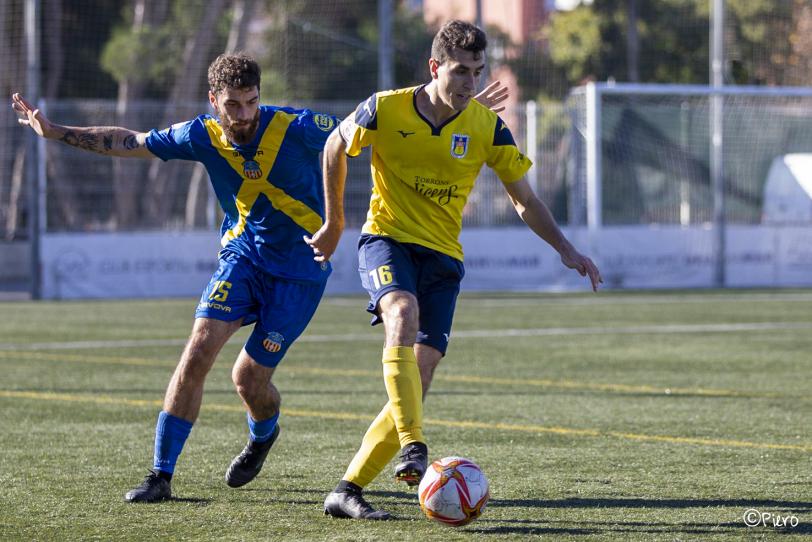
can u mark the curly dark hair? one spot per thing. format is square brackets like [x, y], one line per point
[457, 34]
[238, 71]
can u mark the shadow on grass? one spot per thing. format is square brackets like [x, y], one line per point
[536, 527]
[744, 504]
[540, 527]
[191, 500]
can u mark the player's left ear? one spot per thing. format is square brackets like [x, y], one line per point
[433, 67]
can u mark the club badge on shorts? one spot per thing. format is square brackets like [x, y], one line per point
[459, 145]
[273, 342]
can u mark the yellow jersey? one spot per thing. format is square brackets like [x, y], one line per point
[422, 174]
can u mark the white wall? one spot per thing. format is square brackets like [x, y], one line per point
[165, 264]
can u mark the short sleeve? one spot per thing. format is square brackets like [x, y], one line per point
[315, 128]
[174, 142]
[504, 158]
[360, 128]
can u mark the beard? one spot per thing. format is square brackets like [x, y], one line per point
[240, 134]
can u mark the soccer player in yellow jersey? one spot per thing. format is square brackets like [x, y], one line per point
[428, 145]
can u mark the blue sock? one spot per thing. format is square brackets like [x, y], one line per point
[261, 431]
[170, 436]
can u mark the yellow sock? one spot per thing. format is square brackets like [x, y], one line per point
[402, 379]
[379, 446]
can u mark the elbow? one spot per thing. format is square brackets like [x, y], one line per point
[335, 144]
[334, 149]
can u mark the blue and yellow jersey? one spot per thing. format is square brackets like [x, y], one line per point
[422, 174]
[269, 189]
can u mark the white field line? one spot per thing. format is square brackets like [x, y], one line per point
[462, 334]
[585, 299]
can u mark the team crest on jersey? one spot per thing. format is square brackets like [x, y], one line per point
[251, 169]
[459, 145]
[273, 342]
[324, 122]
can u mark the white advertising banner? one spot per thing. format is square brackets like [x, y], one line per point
[159, 264]
[794, 256]
[120, 265]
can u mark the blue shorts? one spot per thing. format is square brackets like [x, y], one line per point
[280, 307]
[431, 276]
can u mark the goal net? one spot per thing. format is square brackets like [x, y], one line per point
[642, 154]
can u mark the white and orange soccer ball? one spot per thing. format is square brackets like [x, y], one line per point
[454, 491]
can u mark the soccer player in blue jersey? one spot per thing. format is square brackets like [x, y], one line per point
[428, 144]
[263, 162]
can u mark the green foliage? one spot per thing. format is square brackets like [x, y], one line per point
[590, 43]
[537, 74]
[760, 49]
[330, 52]
[575, 41]
[152, 55]
[317, 52]
[553, 119]
[412, 48]
[85, 27]
[142, 56]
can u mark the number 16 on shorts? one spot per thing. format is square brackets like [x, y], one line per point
[381, 276]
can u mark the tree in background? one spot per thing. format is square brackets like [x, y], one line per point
[130, 57]
[668, 41]
[768, 42]
[12, 149]
[64, 38]
[328, 51]
[161, 51]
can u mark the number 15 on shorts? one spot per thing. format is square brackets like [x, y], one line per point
[381, 276]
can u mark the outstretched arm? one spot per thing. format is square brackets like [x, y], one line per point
[109, 140]
[334, 163]
[538, 217]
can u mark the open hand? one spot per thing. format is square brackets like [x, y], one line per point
[28, 116]
[493, 95]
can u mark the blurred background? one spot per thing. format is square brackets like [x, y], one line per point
[612, 99]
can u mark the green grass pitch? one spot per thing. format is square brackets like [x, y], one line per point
[610, 416]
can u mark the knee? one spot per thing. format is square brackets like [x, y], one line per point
[195, 363]
[253, 386]
[404, 310]
[243, 382]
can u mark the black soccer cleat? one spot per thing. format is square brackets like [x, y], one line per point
[413, 462]
[247, 465]
[350, 504]
[152, 489]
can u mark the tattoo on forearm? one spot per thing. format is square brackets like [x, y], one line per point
[89, 142]
[130, 142]
[104, 140]
[83, 140]
[70, 138]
